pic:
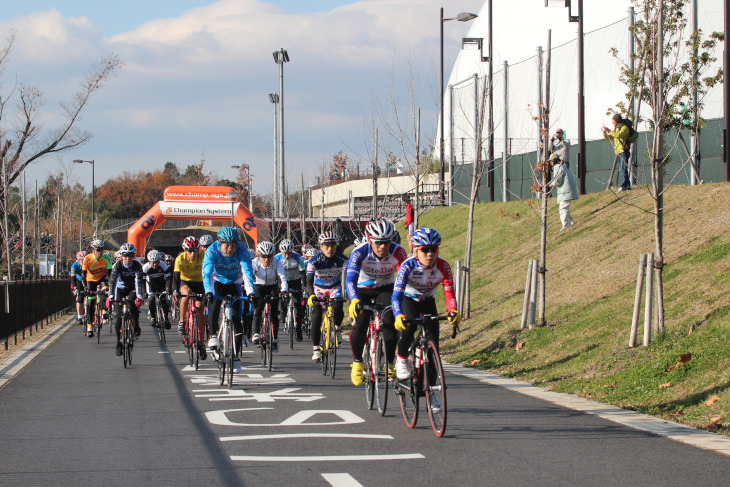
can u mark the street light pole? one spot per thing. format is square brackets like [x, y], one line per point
[462, 17]
[232, 195]
[93, 212]
[281, 57]
[274, 98]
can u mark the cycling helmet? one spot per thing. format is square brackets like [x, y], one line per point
[80, 255]
[311, 252]
[396, 237]
[228, 234]
[97, 244]
[168, 258]
[265, 249]
[304, 249]
[190, 244]
[425, 236]
[286, 246]
[379, 229]
[128, 250]
[117, 254]
[206, 240]
[328, 237]
[154, 256]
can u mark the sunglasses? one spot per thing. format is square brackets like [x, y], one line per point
[192, 250]
[380, 242]
[429, 250]
[329, 245]
[267, 256]
[127, 255]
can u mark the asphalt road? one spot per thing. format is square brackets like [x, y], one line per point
[75, 416]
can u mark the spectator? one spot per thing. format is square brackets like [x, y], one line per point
[410, 222]
[566, 190]
[399, 167]
[619, 135]
[561, 145]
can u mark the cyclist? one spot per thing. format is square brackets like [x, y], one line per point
[205, 241]
[95, 269]
[370, 276]
[324, 276]
[169, 260]
[294, 270]
[266, 273]
[126, 280]
[77, 284]
[415, 287]
[158, 276]
[225, 264]
[188, 278]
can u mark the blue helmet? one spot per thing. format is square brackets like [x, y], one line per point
[425, 236]
[228, 234]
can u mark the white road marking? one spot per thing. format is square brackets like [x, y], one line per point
[241, 395]
[181, 351]
[163, 352]
[305, 435]
[341, 480]
[644, 422]
[300, 418]
[328, 458]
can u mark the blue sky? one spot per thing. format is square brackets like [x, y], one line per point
[197, 75]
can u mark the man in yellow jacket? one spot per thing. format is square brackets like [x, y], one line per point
[619, 135]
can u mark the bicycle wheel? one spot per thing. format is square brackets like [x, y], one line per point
[230, 352]
[222, 351]
[123, 339]
[192, 328]
[380, 369]
[333, 350]
[290, 325]
[130, 339]
[408, 399]
[97, 325]
[435, 388]
[196, 346]
[263, 338]
[270, 345]
[367, 374]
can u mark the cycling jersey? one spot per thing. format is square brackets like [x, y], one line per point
[190, 270]
[94, 269]
[227, 270]
[419, 283]
[365, 270]
[126, 278]
[293, 266]
[77, 279]
[324, 275]
[267, 276]
[159, 279]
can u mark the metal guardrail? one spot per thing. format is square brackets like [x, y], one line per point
[27, 304]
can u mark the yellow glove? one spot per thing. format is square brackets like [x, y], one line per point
[104, 288]
[399, 325]
[454, 317]
[353, 308]
[310, 301]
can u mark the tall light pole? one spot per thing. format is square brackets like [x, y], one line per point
[274, 98]
[93, 213]
[232, 195]
[281, 57]
[462, 17]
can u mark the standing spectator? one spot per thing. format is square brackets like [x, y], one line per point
[619, 135]
[566, 189]
[399, 167]
[410, 222]
[561, 145]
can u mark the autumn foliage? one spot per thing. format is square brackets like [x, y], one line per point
[132, 194]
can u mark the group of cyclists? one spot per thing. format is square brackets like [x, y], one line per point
[378, 271]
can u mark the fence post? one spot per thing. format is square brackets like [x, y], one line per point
[637, 301]
[526, 301]
[648, 298]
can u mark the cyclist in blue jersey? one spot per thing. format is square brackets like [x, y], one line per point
[324, 278]
[294, 270]
[77, 285]
[226, 263]
[370, 277]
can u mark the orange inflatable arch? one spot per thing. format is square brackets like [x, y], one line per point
[193, 203]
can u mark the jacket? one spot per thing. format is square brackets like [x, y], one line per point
[618, 136]
[564, 183]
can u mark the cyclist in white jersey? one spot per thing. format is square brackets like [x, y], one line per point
[269, 278]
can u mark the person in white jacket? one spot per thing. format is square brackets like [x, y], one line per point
[269, 278]
[564, 187]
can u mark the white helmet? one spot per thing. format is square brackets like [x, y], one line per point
[154, 256]
[265, 248]
[379, 229]
[286, 246]
[206, 240]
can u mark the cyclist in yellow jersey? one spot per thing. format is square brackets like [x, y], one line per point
[95, 275]
[188, 277]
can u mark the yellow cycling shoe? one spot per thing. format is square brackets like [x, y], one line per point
[356, 374]
[391, 371]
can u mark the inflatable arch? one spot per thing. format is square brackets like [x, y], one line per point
[192, 203]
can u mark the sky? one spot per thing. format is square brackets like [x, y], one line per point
[197, 74]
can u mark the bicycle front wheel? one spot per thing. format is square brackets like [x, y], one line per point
[435, 388]
[222, 360]
[124, 340]
[230, 353]
[270, 345]
[264, 340]
[290, 326]
[408, 398]
[380, 368]
[130, 340]
[323, 349]
[368, 376]
[333, 350]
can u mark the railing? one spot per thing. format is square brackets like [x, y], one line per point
[28, 304]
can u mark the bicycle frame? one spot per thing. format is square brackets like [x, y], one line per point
[192, 329]
[267, 334]
[375, 360]
[227, 349]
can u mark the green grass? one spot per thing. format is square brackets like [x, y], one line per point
[591, 282]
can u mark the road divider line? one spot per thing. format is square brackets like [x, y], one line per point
[341, 480]
[675, 431]
[327, 458]
[304, 435]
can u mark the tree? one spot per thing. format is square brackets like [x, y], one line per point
[669, 66]
[24, 139]
[338, 167]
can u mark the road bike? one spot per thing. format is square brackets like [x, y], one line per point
[375, 360]
[290, 323]
[227, 348]
[267, 333]
[127, 335]
[307, 321]
[99, 320]
[328, 343]
[192, 335]
[159, 314]
[427, 378]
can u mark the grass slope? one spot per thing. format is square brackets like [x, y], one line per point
[591, 282]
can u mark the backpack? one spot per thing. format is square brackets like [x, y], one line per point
[633, 135]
